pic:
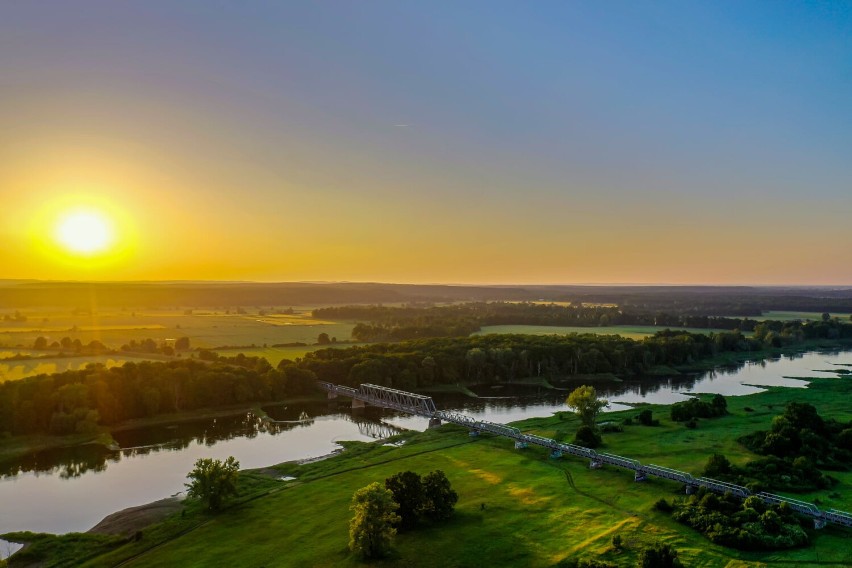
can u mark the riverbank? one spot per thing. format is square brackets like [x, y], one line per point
[532, 515]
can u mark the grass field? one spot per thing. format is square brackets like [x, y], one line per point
[275, 354]
[537, 510]
[205, 328]
[629, 331]
[790, 316]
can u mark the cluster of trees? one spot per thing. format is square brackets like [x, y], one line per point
[801, 432]
[79, 401]
[799, 443]
[67, 344]
[152, 346]
[746, 525]
[405, 500]
[694, 408]
[500, 358]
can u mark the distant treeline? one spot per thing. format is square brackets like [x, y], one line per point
[499, 358]
[679, 300]
[381, 323]
[80, 401]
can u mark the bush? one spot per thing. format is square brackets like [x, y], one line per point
[617, 542]
[692, 424]
[658, 555]
[587, 437]
[645, 418]
[663, 506]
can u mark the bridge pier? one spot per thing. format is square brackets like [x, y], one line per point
[358, 403]
[519, 445]
[819, 523]
[690, 489]
[332, 395]
[473, 433]
[556, 454]
[434, 422]
[595, 464]
[640, 475]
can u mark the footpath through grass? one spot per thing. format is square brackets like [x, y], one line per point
[516, 507]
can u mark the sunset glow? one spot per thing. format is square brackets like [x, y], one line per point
[85, 232]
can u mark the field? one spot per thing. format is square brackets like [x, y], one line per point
[629, 331]
[516, 507]
[252, 333]
[790, 316]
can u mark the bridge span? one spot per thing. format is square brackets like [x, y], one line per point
[420, 405]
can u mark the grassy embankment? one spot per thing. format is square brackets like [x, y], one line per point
[537, 510]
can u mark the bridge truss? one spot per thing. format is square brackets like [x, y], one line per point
[421, 405]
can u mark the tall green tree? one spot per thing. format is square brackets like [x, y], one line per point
[371, 529]
[213, 481]
[585, 403]
[407, 489]
[439, 497]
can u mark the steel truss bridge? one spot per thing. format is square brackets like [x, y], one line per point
[420, 405]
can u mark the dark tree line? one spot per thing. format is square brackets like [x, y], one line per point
[381, 323]
[502, 358]
[80, 401]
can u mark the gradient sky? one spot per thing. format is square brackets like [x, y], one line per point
[466, 142]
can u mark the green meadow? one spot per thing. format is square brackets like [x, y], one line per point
[516, 507]
[250, 333]
[790, 316]
[629, 331]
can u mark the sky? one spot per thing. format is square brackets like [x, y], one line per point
[459, 142]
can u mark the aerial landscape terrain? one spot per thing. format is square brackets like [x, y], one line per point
[557, 284]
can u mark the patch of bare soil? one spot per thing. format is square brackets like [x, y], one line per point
[132, 519]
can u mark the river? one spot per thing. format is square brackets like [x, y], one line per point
[72, 489]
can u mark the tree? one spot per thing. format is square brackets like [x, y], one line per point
[407, 489]
[182, 343]
[323, 339]
[439, 497]
[658, 555]
[213, 481]
[585, 402]
[40, 343]
[371, 529]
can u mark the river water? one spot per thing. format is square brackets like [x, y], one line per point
[72, 489]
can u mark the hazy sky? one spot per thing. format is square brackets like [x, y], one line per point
[518, 142]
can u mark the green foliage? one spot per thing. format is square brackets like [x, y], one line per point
[371, 529]
[658, 555]
[585, 402]
[407, 489]
[697, 408]
[587, 437]
[213, 481]
[439, 497]
[746, 525]
[430, 497]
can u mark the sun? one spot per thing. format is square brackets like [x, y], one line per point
[85, 232]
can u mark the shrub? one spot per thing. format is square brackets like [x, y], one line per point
[658, 555]
[587, 437]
